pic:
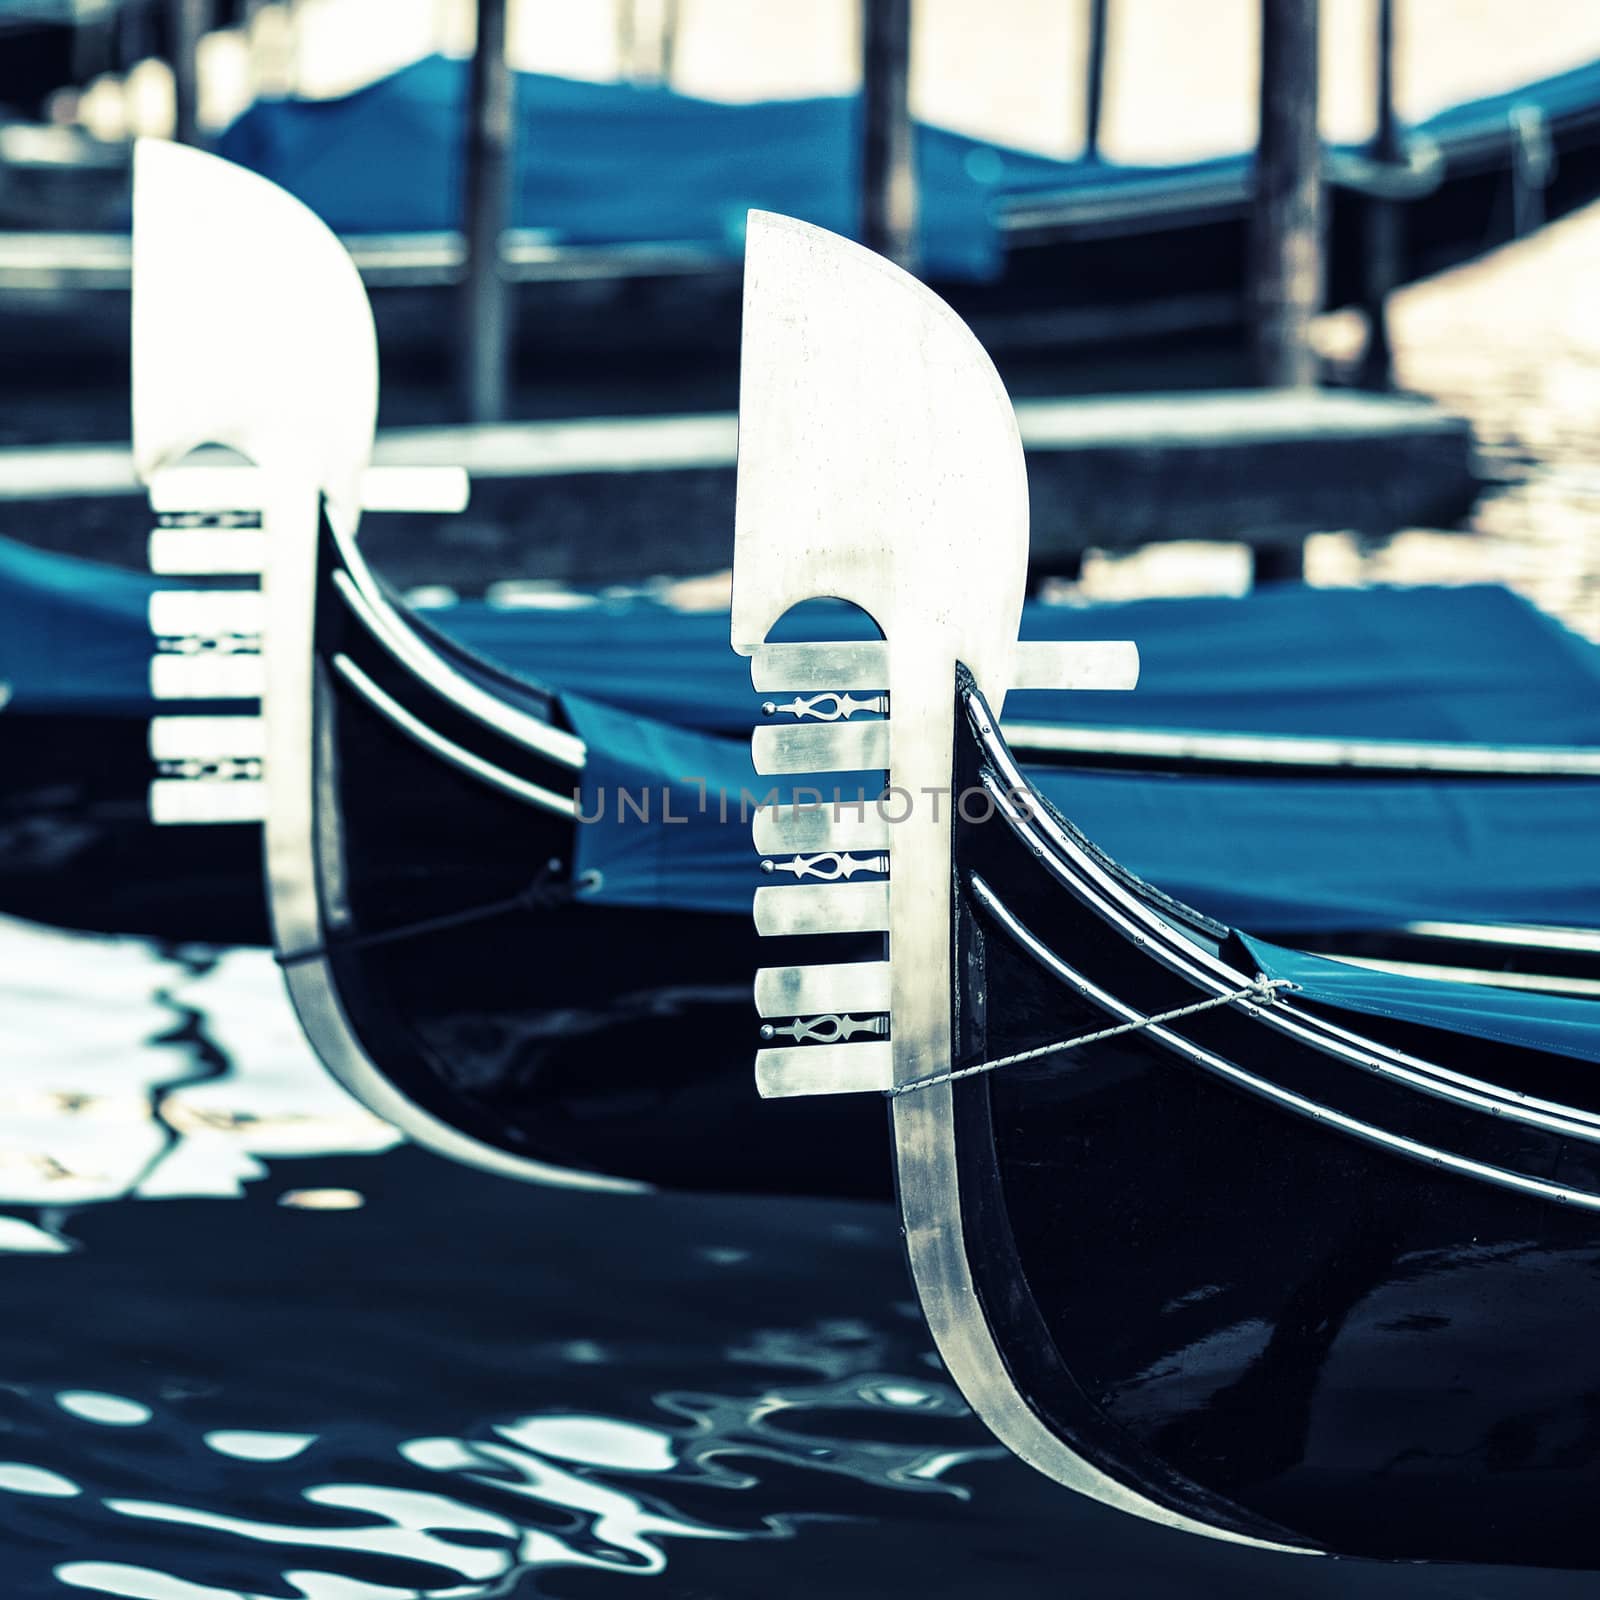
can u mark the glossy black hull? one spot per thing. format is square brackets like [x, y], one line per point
[576, 1038]
[1264, 1320]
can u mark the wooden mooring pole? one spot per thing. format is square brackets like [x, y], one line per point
[1286, 232]
[1094, 97]
[888, 175]
[189, 22]
[1384, 218]
[1286, 270]
[486, 324]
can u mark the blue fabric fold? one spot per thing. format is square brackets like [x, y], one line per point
[1285, 855]
[1553, 1023]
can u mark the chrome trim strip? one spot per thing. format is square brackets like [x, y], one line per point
[1158, 938]
[1429, 1155]
[1533, 982]
[1586, 940]
[1268, 750]
[390, 629]
[414, 728]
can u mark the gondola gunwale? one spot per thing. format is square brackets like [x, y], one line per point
[462, 759]
[1153, 750]
[365, 596]
[1156, 935]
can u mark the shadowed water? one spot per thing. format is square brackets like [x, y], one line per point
[253, 1346]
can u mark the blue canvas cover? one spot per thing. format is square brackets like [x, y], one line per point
[691, 849]
[1555, 1023]
[1290, 855]
[1301, 855]
[1472, 664]
[616, 164]
[620, 163]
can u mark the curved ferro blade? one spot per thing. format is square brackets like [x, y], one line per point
[251, 328]
[879, 463]
[879, 459]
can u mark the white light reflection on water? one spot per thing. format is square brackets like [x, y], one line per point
[188, 1079]
[179, 1076]
[493, 1525]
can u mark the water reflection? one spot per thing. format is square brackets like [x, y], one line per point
[259, 1387]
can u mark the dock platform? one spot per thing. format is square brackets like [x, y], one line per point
[602, 500]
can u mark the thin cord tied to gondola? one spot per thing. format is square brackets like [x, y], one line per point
[1263, 991]
[544, 893]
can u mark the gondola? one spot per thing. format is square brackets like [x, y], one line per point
[1241, 1241]
[462, 948]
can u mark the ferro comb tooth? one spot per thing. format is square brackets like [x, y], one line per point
[807, 991]
[209, 490]
[810, 908]
[863, 665]
[207, 738]
[208, 550]
[1075, 664]
[796, 829]
[863, 1066]
[829, 747]
[206, 491]
[207, 613]
[187, 800]
[207, 677]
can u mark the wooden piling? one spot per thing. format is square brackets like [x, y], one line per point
[486, 323]
[1095, 83]
[190, 21]
[1384, 220]
[888, 176]
[1286, 235]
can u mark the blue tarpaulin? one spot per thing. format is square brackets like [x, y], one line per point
[1272, 853]
[1474, 664]
[1291, 855]
[617, 164]
[1555, 1023]
[1287, 855]
[620, 163]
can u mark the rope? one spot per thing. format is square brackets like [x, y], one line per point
[1264, 990]
[541, 894]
